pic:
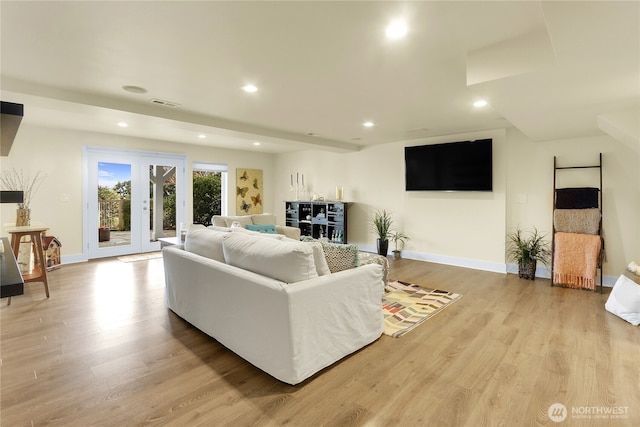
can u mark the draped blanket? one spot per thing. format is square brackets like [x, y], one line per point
[575, 259]
[585, 221]
[576, 198]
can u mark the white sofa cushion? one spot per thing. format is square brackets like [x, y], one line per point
[285, 260]
[205, 242]
[218, 221]
[624, 300]
[263, 219]
[219, 228]
[241, 219]
[241, 230]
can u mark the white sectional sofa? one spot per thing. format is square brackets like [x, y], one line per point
[272, 300]
[256, 219]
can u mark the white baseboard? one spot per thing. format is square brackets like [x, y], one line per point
[447, 260]
[72, 259]
[541, 271]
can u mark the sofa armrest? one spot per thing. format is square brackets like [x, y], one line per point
[290, 232]
[334, 315]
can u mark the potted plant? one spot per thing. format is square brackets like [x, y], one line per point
[381, 226]
[399, 239]
[104, 234]
[527, 250]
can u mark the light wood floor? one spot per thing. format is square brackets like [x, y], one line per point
[104, 350]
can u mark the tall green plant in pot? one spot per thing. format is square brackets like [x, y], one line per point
[527, 250]
[381, 226]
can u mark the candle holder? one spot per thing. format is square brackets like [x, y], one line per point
[298, 186]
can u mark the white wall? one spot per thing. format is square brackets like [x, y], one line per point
[456, 228]
[530, 175]
[470, 229]
[58, 154]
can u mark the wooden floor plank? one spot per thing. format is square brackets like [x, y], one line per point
[105, 350]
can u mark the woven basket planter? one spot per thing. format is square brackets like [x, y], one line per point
[527, 269]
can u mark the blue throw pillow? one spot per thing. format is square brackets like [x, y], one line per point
[270, 229]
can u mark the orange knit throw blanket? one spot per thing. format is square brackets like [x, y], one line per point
[576, 259]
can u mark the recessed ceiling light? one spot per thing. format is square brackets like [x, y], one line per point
[480, 103]
[134, 89]
[396, 29]
[256, 143]
[202, 136]
[368, 124]
[249, 88]
[123, 124]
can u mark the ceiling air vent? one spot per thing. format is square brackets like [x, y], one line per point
[164, 103]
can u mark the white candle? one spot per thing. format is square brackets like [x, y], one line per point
[303, 180]
[291, 179]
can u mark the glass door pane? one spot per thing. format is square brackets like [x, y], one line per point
[114, 204]
[165, 177]
[132, 200]
[112, 222]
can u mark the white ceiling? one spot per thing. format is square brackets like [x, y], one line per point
[550, 69]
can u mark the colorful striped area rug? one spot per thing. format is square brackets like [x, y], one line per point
[405, 306]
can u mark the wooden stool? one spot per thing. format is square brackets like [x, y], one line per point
[39, 272]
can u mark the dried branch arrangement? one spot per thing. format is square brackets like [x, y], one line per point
[14, 180]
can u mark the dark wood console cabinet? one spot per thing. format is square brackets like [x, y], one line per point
[319, 219]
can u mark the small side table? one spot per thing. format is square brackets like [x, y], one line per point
[39, 272]
[170, 241]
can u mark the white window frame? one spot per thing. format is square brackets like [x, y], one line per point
[224, 170]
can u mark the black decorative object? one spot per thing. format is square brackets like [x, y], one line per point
[383, 247]
[11, 196]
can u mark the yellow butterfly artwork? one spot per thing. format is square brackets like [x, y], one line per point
[241, 191]
[257, 199]
[245, 206]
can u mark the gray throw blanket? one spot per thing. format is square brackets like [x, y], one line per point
[583, 221]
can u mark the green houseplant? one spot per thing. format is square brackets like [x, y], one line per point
[527, 248]
[381, 226]
[399, 239]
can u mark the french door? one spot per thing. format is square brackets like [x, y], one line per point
[131, 200]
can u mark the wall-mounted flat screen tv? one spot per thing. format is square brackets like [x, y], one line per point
[452, 166]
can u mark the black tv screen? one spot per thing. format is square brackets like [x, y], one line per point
[452, 166]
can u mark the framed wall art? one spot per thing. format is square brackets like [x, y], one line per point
[248, 191]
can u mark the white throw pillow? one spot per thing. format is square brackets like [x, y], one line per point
[624, 300]
[205, 242]
[318, 257]
[285, 260]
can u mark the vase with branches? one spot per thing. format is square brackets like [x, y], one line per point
[14, 180]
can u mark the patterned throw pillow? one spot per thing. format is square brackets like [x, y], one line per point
[339, 256]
